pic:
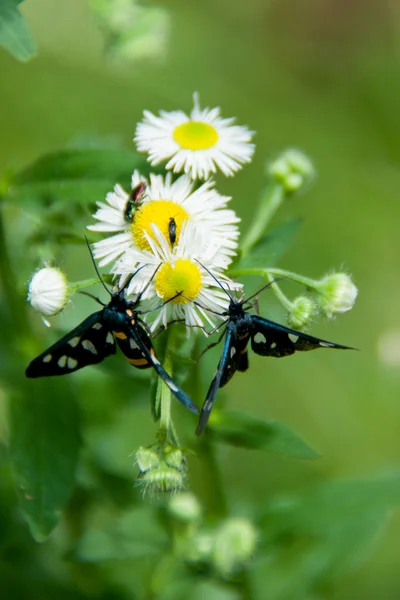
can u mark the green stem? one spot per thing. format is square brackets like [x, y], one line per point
[306, 281]
[167, 430]
[11, 298]
[284, 300]
[78, 285]
[272, 198]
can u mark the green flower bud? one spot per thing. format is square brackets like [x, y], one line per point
[336, 294]
[147, 459]
[162, 480]
[185, 507]
[301, 313]
[201, 547]
[234, 545]
[174, 457]
[293, 169]
[162, 469]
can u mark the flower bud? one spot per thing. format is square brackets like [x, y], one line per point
[301, 313]
[293, 169]
[146, 459]
[336, 293]
[234, 545]
[162, 469]
[48, 291]
[185, 507]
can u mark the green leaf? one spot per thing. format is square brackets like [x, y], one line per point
[44, 450]
[271, 247]
[247, 431]
[135, 533]
[14, 33]
[74, 175]
[331, 504]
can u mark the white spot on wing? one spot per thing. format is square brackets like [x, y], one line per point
[71, 363]
[62, 361]
[172, 387]
[109, 338]
[89, 346]
[233, 351]
[47, 358]
[97, 326]
[326, 344]
[293, 338]
[155, 360]
[273, 345]
[133, 344]
[260, 338]
[74, 341]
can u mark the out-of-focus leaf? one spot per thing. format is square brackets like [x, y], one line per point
[332, 504]
[133, 31]
[136, 533]
[247, 431]
[76, 176]
[271, 247]
[14, 32]
[44, 451]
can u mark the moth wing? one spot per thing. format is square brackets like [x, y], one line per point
[229, 362]
[272, 339]
[139, 351]
[88, 344]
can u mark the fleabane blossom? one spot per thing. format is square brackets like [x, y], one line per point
[181, 281]
[48, 291]
[158, 201]
[198, 144]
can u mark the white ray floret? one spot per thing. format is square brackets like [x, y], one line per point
[178, 271]
[199, 144]
[162, 200]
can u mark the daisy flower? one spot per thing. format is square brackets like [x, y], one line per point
[164, 203]
[198, 144]
[189, 268]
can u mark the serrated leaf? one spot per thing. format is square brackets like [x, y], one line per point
[44, 449]
[247, 431]
[271, 247]
[14, 32]
[81, 176]
[136, 533]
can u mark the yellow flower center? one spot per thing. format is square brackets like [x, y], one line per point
[159, 212]
[184, 276]
[195, 135]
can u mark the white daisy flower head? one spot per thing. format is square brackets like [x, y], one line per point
[48, 291]
[185, 277]
[168, 205]
[198, 144]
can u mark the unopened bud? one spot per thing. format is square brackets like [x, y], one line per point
[293, 169]
[234, 545]
[162, 469]
[48, 291]
[301, 312]
[185, 507]
[337, 294]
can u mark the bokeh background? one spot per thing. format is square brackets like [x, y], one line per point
[320, 75]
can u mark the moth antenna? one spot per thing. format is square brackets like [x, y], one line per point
[95, 266]
[139, 296]
[217, 280]
[127, 282]
[91, 296]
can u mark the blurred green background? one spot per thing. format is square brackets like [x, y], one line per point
[320, 75]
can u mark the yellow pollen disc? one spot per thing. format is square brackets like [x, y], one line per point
[159, 212]
[184, 277]
[195, 135]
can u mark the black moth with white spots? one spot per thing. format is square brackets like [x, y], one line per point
[267, 339]
[94, 339]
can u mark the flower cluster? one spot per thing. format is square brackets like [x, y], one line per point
[179, 230]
